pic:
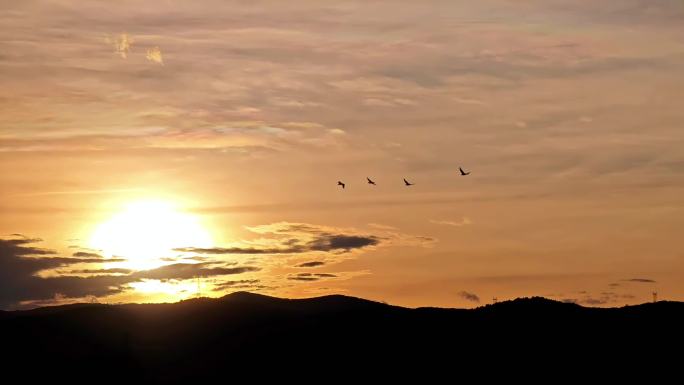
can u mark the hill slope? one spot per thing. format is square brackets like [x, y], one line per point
[203, 339]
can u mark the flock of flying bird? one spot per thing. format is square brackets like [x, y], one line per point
[407, 183]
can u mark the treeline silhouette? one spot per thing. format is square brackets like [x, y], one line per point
[203, 340]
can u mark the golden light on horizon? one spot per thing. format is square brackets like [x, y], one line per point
[146, 231]
[166, 291]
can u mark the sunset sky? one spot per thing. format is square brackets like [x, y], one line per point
[144, 144]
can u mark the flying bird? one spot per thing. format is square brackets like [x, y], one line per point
[408, 183]
[340, 184]
[463, 173]
[370, 181]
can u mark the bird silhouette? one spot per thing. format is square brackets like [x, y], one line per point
[340, 184]
[463, 173]
[407, 183]
[370, 181]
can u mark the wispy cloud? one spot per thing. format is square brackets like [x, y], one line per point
[463, 222]
[640, 280]
[602, 298]
[310, 276]
[251, 284]
[329, 243]
[299, 238]
[192, 270]
[86, 254]
[311, 264]
[468, 296]
[121, 43]
[155, 55]
[83, 192]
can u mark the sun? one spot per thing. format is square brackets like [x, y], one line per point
[144, 232]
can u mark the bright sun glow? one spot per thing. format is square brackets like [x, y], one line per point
[146, 231]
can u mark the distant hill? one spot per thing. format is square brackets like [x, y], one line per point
[211, 339]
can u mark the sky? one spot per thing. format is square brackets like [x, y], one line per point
[160, 150]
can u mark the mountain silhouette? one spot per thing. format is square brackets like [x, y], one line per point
[214, 339]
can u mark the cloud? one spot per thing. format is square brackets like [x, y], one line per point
[310, 276]
[341, 243]
[101, 271]
[155, 55]
[122, 44]
[18, 246]
[306, 279]
[339, 240]
[463, 222]
[641, 280]
[311, 264]
[84, 254]
[603, 298]
[36, 258]
[240, 284]
[73, 260]
[297, 238]
[293, 241]
[594, 301]
[31, 274]
[21, 261]
[240, 250]
[471, 297]
[191, 270]
[469, 101]
[381, 226]
[81, 192]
